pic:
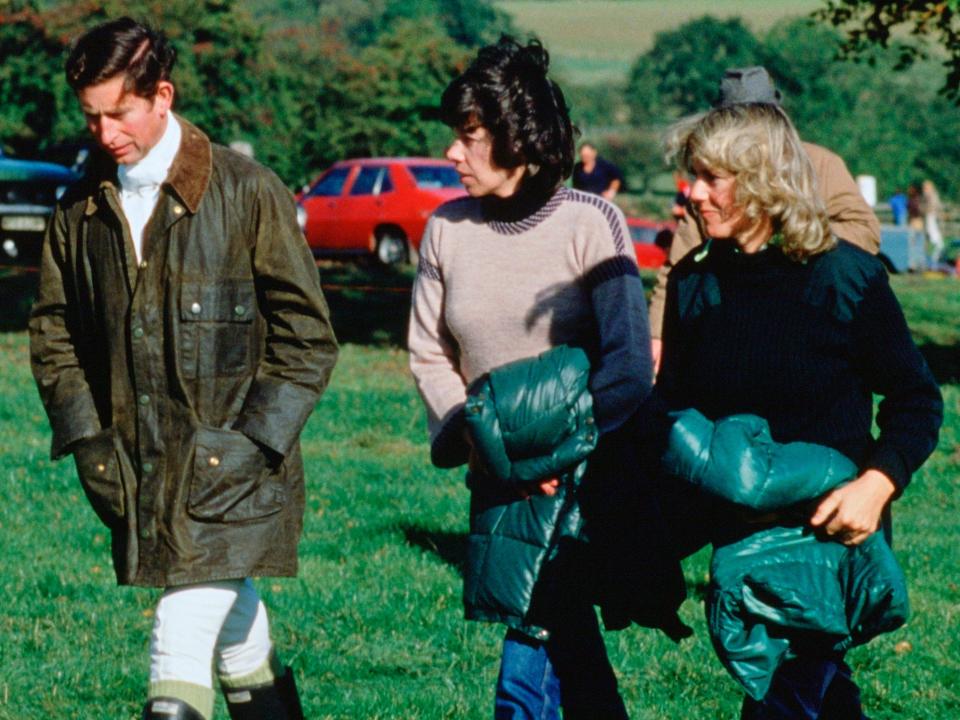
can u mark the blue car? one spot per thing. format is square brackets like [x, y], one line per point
[28, 192]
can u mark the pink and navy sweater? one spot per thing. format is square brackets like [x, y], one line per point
[500, 280]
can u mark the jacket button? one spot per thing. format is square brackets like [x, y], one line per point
[147, 467]
[590, 437]
[239, 310]
[145, 533]
[589, 421]
[195, 308]
[214, 461]
[101, 468]
[144, 399]
[138, 332]
[143, 264]
[177, 209]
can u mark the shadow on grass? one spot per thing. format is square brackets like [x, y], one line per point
[18, 290]
[944, 361]
[369, 303]
[449, 547]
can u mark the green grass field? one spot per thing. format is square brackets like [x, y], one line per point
[596, 41]
[373, 624]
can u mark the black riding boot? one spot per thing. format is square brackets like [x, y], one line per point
[274, 701]
[165, 708]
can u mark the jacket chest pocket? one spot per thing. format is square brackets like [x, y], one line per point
[216, 326]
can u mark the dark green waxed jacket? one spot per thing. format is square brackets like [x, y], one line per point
[181, 384]
[780, 586]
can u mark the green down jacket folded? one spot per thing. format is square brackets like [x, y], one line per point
[782, 588]
[529, 420]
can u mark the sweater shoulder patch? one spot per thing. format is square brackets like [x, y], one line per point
[840, 280]
[609, 211]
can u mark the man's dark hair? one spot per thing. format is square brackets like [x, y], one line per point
[121, 47]
[506, 90]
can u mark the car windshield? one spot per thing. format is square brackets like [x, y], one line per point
[330, 184]
[643, 234]
[435, 177]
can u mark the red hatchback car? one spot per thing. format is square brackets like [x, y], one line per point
[375, 206]
[651, 240]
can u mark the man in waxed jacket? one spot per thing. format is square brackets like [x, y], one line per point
[180, 340]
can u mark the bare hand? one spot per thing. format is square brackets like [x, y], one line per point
[656, 350]
[539, 487]
[850, 514]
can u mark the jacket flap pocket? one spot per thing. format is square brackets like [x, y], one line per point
[231, 479]
[225, 301]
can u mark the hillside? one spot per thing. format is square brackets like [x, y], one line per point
[597, 40]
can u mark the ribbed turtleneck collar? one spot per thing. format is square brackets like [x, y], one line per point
[522, 211]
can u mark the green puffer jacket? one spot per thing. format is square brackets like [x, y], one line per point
[781, 585]
[529, 420]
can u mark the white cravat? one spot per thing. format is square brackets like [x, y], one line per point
[140, 181]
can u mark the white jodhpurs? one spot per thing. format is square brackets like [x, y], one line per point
[195, 625]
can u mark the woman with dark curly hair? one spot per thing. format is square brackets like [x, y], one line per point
[518, 267]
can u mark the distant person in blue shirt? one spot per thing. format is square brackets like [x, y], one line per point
[898, 205]
[595, 175]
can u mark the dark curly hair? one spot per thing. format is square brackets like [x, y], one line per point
[506, 90]
[124, 46]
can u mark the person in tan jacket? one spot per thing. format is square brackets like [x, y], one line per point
[851, 219]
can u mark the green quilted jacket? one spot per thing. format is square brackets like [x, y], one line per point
[529, 420]
[781, 586]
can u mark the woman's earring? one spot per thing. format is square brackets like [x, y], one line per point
[532, 169]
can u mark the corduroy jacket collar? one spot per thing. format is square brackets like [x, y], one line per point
[189, 175]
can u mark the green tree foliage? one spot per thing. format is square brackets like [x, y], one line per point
[32, 88]
[884, 122]
[680, 73]
[381, 100]
[868, 23]
[330, 80]
[467, 22]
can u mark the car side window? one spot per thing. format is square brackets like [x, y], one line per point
[435, 177]
[372, 181]
[330, 184]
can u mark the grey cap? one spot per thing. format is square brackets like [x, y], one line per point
[747, 85]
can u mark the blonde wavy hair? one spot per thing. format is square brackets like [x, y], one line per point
[758, 145]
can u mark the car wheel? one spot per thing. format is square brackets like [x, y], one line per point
[391, 247]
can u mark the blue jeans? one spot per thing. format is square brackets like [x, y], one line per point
[808, 689]
[571, 670]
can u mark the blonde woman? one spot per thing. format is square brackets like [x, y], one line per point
[776, 317]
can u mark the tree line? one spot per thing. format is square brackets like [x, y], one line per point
[310, 83]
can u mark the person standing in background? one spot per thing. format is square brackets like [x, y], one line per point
[898, 206]
[932, 209]
[594, 174]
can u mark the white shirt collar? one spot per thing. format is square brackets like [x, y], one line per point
[149, 172]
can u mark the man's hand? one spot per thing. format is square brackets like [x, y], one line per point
[850, 514]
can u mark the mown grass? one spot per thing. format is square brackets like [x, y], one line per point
[373, 624]
[596, 41]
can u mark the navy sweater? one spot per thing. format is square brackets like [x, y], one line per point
[804, 345]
